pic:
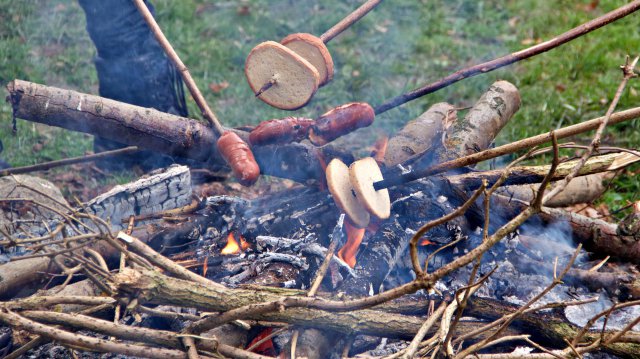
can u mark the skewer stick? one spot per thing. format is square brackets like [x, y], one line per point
[184, 71]
[349, 20]
[525, 143]
[511, 58]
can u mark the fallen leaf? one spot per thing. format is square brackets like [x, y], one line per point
[561, 87]
[513, 21]
[244, 10]
[218, 87]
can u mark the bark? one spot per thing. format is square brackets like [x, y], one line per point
[155, 130]
[420, 135]
[162, 191]
[476, 131]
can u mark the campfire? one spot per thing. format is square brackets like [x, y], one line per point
[409, 252]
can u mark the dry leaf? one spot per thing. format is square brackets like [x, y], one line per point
[218, 87]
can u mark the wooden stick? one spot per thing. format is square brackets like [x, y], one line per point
[184, 71]
[67, 161]
[508, 148]
[511, 58]
[349, 20]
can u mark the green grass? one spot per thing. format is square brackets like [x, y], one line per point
[400, 45]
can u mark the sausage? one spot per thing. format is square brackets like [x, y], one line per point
[239, 157]
[340, 121]
[284, 130]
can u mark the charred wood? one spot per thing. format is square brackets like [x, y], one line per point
[157, 192]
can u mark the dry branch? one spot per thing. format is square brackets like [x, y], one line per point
[155, 288]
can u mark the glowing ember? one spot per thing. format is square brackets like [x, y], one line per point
[232, 246]
[425, 242]
[243, 244]
[380, 149]
[350, 249]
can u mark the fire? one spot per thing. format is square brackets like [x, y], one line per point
[380, 149]
[233, 247]
[350, 249]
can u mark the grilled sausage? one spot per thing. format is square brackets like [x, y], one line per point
[340, 121]
[239, 157]
[284, 130]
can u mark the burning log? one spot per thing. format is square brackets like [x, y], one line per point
[155, 130]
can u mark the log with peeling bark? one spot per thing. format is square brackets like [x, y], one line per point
[156, 131]
[157, 192]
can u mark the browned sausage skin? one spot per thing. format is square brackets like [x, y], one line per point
[284, 130]
[340, 121]
[239, 157]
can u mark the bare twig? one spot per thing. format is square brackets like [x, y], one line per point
[67, 161]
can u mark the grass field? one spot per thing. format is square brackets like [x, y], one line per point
[399, 46]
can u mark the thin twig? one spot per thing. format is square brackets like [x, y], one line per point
[67, 161]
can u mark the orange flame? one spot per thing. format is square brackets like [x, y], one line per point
[323, 164]
[233, 247]
[380, 149]
[354, 237]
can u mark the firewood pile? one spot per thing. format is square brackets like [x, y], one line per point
[411, 252]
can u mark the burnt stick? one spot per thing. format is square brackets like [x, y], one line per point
[507, 149]
[511, 58]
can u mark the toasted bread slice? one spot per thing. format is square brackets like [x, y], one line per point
[296, 80]
[342, 191]
[312, 49]
[363, 174]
